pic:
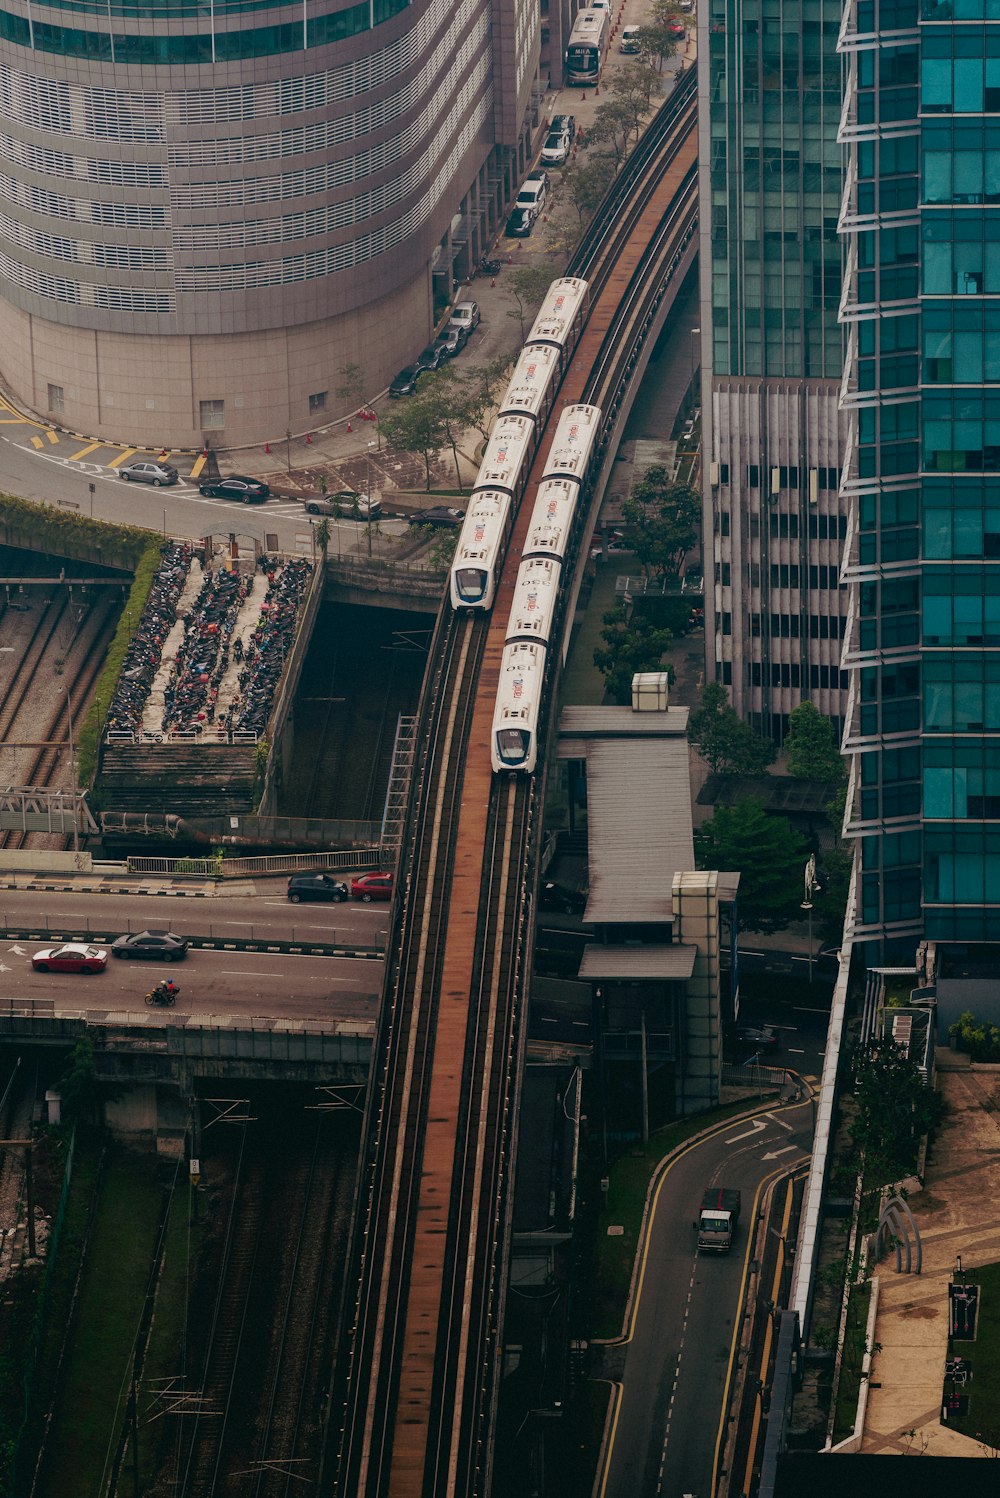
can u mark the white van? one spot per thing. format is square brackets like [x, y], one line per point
[630, 40]
[464, 315]
[534, 190]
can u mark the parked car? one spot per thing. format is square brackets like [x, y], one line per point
[465, 315]
[677, 30]
[630, 40]
[452, 341]
[369, 887]
[560, 897]
[556, 148]
[521, 223]
[564, 122]
[534, 191]
[72, 957]
[357, 506]
[430, 358]
[148, 472]
[161, 946]
[441, 517]
[405, 382]
[315, 885]
[237, 486]
[764, 1039]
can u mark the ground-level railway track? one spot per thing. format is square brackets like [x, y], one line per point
[419, 1380]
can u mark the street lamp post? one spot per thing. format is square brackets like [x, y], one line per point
[695, 333]
[368, 461]
[811, 887]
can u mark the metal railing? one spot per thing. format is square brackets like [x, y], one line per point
[274, 863]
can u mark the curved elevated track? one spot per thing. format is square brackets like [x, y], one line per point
[418, 1381]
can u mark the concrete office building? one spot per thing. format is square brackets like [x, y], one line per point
[772, 354]
[922, 471]
[208, 210]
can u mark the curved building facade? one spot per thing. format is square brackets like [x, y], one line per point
[208, 208]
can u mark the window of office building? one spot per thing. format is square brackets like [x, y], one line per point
[56, 403]
[317, 402]
[213, 415]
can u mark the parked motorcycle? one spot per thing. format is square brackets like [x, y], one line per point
[164, 993]
[489, 267]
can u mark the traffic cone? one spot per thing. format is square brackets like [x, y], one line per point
[493, 282]
[309, 441]
[267, 447]
[597, 91]
[584, 94]
[349, 427]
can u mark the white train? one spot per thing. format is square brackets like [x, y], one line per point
[481, 547]
[532, 619]
[512, 444]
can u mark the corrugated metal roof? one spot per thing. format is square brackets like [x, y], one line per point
[638, 826]
[631, 963]
[576, 723]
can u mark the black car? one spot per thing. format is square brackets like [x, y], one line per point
[316, 886]
[748, 1037]
[441, 517]
[405, 382]
[159, 946]
[520, 223]
[430, 359]
[237, 486]
[560, 897]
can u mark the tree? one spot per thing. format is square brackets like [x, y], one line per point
[78, 1085]
[632, 87]
[895, 1111]
[631, 643]
[351, 387]
[416, 425]
[321, 534]
[811, 747]
[769, 856]
[483, 384]
[611, 126]
[724, 741]
[662, 519]
[588, 181]
[528, 285]
[655, 40]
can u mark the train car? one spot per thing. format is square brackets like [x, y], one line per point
[552, 517]
[507, 459]
[482, 544]
[587, 45]
[514, 739]
[536, 593]
[574, 444]
[533, 384]
[561, 316]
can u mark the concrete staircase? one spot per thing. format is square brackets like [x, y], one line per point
[189, 780]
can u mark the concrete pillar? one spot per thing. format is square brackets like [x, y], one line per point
[699, 1051]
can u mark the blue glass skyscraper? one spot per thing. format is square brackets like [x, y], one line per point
[921, 218]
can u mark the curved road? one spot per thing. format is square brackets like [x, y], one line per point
[687, 1308]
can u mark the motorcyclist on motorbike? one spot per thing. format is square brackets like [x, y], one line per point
[165, 992]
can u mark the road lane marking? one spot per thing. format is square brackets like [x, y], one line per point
[781, 1122]
[789, 1149]
[84, 452]
[129, 452]
[795, 1050]
[755, 1128]
[198, 465]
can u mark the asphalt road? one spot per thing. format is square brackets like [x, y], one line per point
[687, 1309]
[178, 511]
[266, 916]
[230, 984]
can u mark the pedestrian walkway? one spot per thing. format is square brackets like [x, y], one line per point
[956, 1215]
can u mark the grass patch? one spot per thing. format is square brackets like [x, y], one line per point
[90, 1400]
[93, 722]
[850, 1368]
[629, 1180]
[982, 1423]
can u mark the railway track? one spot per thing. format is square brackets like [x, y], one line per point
[419, 1377]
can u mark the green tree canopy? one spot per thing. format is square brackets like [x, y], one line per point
[631, 643]
[662, 520]
[895, 1110]
[769, 855]
[811, 746]
[724, 741]
[426, 422]
[588, 180]
[528, 285]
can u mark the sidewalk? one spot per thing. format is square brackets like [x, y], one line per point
[956, 1214]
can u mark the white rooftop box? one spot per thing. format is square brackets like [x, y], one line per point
[649, 692]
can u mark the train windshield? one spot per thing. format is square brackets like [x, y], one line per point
[512, 745]
[470, 583]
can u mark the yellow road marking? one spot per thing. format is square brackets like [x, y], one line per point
[198, 464]
[52, 436]
[36, 442]
[765, 1357]
[129, 452]
[18, 416]
[84, 452]
[618, 1389]
[10, 421]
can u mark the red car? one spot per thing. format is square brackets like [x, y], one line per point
[71, 958]
[370, 887]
